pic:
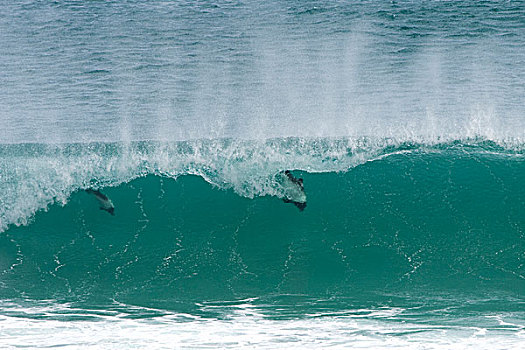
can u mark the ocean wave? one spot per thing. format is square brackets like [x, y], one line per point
[205, 220]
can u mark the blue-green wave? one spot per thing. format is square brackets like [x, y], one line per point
[400, 218]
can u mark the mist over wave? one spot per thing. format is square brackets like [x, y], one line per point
[257, 70]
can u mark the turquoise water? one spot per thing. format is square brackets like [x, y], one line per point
[427, 238]
[404, 120]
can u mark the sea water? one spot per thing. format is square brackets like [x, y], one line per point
[405, 120]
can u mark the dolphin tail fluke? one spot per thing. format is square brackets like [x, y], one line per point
[301, 206]
[109, 210]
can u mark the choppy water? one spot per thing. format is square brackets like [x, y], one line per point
[405, 120]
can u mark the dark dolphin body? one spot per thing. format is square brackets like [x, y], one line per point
[299, 185]
[105, 202]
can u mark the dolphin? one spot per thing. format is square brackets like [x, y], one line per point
[105, 202]
[293, 190]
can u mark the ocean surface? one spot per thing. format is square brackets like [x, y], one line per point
[405, 120]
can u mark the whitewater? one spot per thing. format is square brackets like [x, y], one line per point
[404, 120]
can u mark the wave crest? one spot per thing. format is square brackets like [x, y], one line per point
[37, 175]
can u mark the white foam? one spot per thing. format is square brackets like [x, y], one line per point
[245, 328]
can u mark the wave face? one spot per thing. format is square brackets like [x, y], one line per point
[203, 221]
